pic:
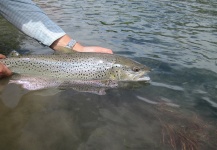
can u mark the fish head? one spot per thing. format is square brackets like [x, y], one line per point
[125, 69]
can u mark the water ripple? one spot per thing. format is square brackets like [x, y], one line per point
[183, 32]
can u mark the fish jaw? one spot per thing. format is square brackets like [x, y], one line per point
[142, 77]
[130, 75]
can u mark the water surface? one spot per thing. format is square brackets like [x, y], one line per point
[178, 110]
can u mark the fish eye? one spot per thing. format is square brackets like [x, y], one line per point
[136, 69]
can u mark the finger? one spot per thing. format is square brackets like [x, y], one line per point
[2, 56]
[97, 49]
[105, 50]
[7, 72]
[4, 71]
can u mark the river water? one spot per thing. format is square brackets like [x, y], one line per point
[177, 110]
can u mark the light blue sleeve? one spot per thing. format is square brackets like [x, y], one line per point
[31, 20]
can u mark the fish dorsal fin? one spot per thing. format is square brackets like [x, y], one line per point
[14, 54]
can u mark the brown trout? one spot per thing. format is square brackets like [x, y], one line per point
[63, 70]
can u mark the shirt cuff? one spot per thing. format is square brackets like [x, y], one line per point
[30, 19]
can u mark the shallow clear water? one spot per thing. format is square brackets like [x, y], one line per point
[178, 110]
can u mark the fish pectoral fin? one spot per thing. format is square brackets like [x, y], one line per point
[108, 83]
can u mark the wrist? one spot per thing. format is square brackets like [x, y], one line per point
[66, 41]
[61, 42]
[71, 44]
[78, 47]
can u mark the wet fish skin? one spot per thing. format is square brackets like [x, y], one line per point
[83, 72]
[78, 66]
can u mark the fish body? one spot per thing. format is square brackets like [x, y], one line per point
[54, 70]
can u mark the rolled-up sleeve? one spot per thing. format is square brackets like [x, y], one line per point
[30, 19]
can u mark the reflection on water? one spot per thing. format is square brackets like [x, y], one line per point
[178, 110]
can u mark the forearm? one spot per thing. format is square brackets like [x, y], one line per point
[31, 20]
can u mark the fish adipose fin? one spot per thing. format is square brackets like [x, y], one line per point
[13, 54]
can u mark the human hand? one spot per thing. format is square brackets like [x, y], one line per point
[63, 41]
[94, 49]
[4, 71]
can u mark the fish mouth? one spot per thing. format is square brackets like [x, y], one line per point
[142, 77]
